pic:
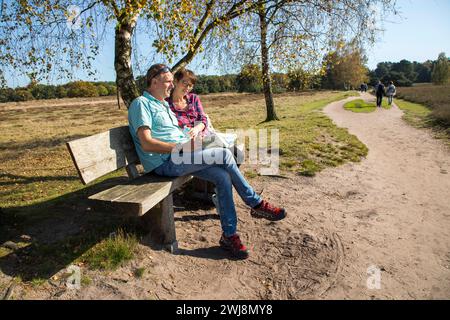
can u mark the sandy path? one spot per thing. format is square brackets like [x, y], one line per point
[396, 212]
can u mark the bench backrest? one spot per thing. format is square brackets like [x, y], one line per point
[102, 153]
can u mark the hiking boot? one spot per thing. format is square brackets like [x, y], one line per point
[234, 245]
[267, 211]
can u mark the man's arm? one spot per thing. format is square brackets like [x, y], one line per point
[150, 144]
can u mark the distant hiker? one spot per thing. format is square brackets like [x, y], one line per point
[362, 87]
[390, 92]
[380, 92]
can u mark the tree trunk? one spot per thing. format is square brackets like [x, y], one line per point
[126, 84]
[267, 81]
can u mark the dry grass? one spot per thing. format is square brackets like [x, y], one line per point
[35, 165]
[435, 97]
[428, 106]
[34, 162]
[41, 194]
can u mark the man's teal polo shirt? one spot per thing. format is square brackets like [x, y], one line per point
[150, 112]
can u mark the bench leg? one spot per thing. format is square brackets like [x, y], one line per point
[160, 220]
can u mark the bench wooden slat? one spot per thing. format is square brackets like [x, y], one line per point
[113, 193]
[102, 153]
[146, 191]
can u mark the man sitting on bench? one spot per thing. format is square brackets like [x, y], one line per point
[157, 136]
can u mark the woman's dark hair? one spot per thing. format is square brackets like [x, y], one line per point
[180, 74]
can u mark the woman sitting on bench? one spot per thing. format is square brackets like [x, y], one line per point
[191, 116]
[187, 106]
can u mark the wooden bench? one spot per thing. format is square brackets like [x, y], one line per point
[148, 195]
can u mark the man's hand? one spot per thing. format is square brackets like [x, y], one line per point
[192, 145]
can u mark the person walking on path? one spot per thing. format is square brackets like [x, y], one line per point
[380, 92]
[390, 92]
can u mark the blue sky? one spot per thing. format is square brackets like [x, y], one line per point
[419, 33]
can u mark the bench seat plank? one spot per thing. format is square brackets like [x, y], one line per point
[145, 192]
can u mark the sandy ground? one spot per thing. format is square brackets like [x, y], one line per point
[399, 219]
[378, 229]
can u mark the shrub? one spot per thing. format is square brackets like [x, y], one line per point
[102, 90]
[249, 79]
[22, 95]
[112, 90]
[201, 86]
[213, 84]
[6, 94]
[81, 89]
[61, 92]
[41, 91]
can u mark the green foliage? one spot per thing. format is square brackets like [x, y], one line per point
[6, 95]
[61, 92]
[405, 67]
[300, 79]
[249, 79]
[112, 89]
[403, 73]
[423, 71]
[201, 86]
[344, 67]
[102, 90]
[22, 95]
[81, 89]
[213, 84]
[41, 91]
[441, 70]
[228, 83]
[280, 82]
[399, 79]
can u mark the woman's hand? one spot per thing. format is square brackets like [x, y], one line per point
[193, 132]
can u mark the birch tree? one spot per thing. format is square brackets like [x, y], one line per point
[296, 34]
[51, 38]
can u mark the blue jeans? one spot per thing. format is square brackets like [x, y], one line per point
[223, 172]
[390, 98]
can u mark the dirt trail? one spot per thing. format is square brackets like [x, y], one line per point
[398, 217]
[391, 211]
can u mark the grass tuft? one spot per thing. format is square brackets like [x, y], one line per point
[111, 253]
[139, 272]
[360, 105]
